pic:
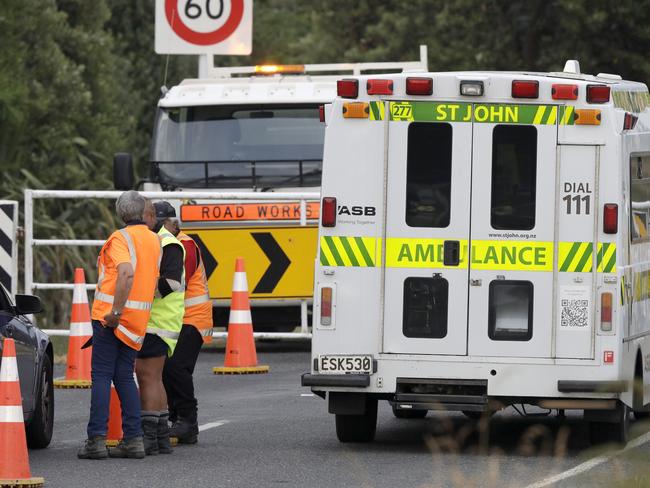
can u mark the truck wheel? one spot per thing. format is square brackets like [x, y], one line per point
[358, 428]
[409, 414]
[39, 430]
[612, 432]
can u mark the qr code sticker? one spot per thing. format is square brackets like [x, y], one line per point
[575, 313]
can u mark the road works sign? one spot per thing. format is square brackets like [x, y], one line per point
[230, 212]
[279, 260]
[204, 26]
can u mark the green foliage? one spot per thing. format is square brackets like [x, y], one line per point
[79, 79]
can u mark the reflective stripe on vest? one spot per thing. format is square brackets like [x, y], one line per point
[134, 337]
[206, 332]
[134, 304]
[169, 334]
[129, 244]
[166, 318]
[197, 300]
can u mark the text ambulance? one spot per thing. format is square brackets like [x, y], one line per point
[253, 128]
[499, 251]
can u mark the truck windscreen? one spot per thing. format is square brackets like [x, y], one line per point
[246, 146]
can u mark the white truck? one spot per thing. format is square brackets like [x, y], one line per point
[250, 129]
[483, 242]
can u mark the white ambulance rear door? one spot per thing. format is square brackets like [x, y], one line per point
[512, 230]
[427, 227]
[580, 254]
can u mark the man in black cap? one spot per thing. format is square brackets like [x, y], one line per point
[163, 330]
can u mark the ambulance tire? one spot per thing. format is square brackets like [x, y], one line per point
[358, 428]
[612, 432]
[409, 414]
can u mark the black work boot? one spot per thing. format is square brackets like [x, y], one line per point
[185, 430]
[128, 448]
[164, 445]
[150, 429]
[94, 448]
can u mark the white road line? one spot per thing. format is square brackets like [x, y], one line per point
[212, 425]
[590, 464]
[307, 395]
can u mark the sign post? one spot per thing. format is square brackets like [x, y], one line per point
[204, 27]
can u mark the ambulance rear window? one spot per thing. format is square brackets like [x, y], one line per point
[425, 307]
[510, 314]
[514, 177]
[428, 174]
[640, 197]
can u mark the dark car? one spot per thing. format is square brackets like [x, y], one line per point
[34, 356]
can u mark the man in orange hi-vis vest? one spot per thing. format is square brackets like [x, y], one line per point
[197, 329]
[128, 267]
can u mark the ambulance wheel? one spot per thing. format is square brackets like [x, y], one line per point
[612, 432]
[358, 428]
[409, 414]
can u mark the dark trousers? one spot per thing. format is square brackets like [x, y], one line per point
[177, 375]
[112, 360]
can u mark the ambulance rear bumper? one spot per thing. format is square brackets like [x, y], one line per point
[568, 386]
[344, 380]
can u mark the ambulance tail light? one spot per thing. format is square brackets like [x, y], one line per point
[610, 218]
[326, 305]
[560, 91]
[586, 116]
[606, 299]
[328, 212]
[630, 120]
[379, 87]
[525, 89]
[347, 88]
[419, 86]
[321, 113]
[598, 93]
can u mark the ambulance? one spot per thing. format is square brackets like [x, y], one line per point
[250, 129]
[483, 242]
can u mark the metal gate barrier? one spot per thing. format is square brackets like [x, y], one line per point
[31, 241]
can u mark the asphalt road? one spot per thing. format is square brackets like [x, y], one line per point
[266, 431]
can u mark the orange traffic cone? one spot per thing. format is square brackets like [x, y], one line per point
[114, 433]
[14, 461]
[77, 374]
[241, 357]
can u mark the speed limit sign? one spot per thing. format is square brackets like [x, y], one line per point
[204, 26]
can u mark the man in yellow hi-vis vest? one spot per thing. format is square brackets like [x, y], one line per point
[163, 329]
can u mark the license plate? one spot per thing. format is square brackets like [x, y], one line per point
[345, 364]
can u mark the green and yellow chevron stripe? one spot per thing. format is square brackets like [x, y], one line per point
[566, 115]
[348, 251]
[377, 110]
[577, 257]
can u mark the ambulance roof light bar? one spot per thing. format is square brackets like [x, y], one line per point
[208, 70]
